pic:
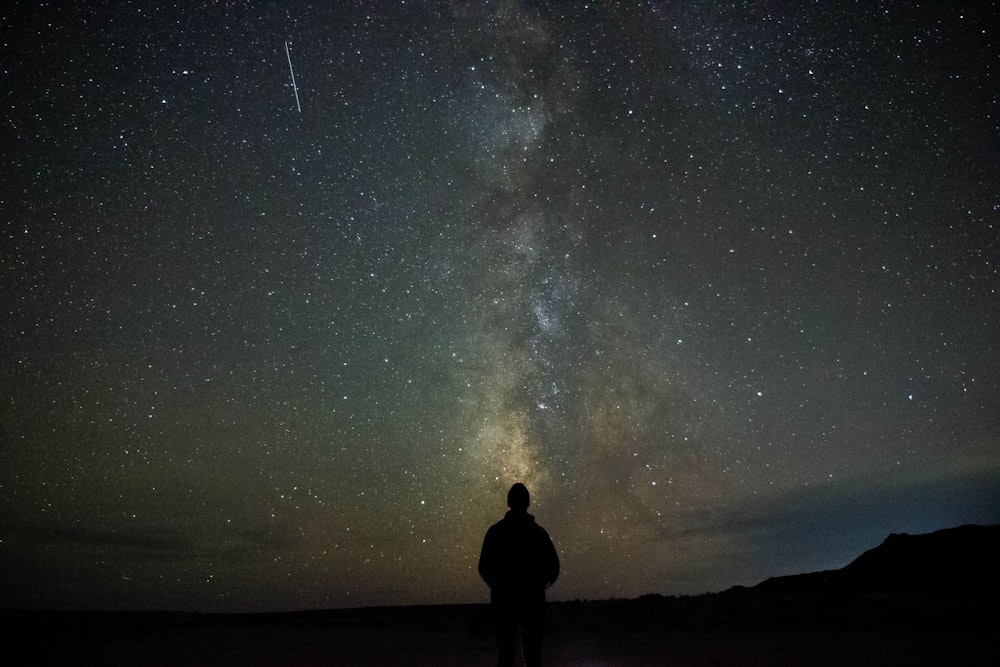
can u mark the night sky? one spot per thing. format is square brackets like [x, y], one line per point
[720, 284]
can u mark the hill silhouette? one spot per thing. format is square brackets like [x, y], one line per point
[945, 579]
[960, 560]
[964, 557]
[948, 579]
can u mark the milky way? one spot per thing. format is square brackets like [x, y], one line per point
[718, 284]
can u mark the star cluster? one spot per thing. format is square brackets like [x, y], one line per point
[719, 284]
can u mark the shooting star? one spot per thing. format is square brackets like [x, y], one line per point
[292, 72]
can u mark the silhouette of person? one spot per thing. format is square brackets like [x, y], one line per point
[518, 562]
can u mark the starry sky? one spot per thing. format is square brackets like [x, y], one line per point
[718, 282]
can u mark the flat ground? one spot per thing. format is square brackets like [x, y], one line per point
[579, 634]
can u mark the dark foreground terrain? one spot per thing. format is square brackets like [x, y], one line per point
[584, 633]
[914, 600]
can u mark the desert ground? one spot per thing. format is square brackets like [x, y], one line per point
[654, 631]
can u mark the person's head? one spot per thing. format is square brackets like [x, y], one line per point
[518, 498]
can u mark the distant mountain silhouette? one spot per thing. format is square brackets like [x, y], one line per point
[946, 579]
[965, 559]
[967, 556]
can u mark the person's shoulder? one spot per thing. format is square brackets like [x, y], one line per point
[496, 527]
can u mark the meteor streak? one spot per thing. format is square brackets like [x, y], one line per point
[292, 72]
